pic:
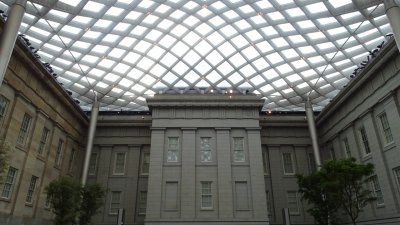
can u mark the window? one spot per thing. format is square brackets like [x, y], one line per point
[265, 161]
[59, 152]
[333, 154]
[173, 147]
[23, 131]
[364, 140]
[119, 163]
[115, 202]
[142, 202]
[346, 148]
[145, 163]
[3, 107]
[43, 140]
[288, 168]
[376, 189]
[31, 190]
[386, 128]
[71, 161]
[396, 172]
[293, 203]
[206, 195]
[241, 195]
[47, 202]
[238, 149]
[9, 183]
[311, 162]
[269, 203]
[93, 164]
[205, 150]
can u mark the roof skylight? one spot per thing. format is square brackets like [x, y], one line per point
[276, 49]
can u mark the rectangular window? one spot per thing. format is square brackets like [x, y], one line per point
[265, 161]
[43, 140]
[71, 162]
[311, 162]
[364, 139]
[145, 163]
[386, 128]
[376, 188]
[288, 168]
[269, 203]
[23, 130]
[346, 148]
[9, 183]
[205, 150]
[115, 202]
[206, 195]
[31, 190]
[333, 154]
[59, 152]
[93, 164]
[238, 149]
[396, 172]
[47, 202]
[142, 202]
[119, 163]
[241, 195]
[173, 147]
[3, 107]
[293, 203]
[171, 195]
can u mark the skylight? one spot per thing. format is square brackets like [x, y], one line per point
[277, 49]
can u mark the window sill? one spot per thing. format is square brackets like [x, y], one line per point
[389, 146]
[206, 209]
[40, 157]
[29, 204]
[21, 147]
[367, 157]
[3, 199]
[379, 206]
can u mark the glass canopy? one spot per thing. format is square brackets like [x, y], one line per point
[129, 50]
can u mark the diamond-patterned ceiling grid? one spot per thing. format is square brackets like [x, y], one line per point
[127, 50]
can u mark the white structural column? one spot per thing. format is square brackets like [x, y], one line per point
[188, 194]
[154, 192]
[90, 138]
[393, 14]
[9, 35]
[313, 132]
[257, 174]
[225, 201]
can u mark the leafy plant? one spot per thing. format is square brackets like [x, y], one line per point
[338, 185]
[5, 149]
[70, 202]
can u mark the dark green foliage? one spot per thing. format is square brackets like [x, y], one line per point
[92, 200]
[338, 185]
[5, 150]
[70, 201]
[65, 195]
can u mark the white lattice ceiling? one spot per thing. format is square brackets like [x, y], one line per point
[127, 50]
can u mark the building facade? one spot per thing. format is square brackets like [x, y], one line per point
[195, 159]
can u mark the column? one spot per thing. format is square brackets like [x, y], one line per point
[154, 193]
[90, 138]
[313, 132]
[9, 35]
[225, 195]
[257, 174]
[393, 14]
[188, 193]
